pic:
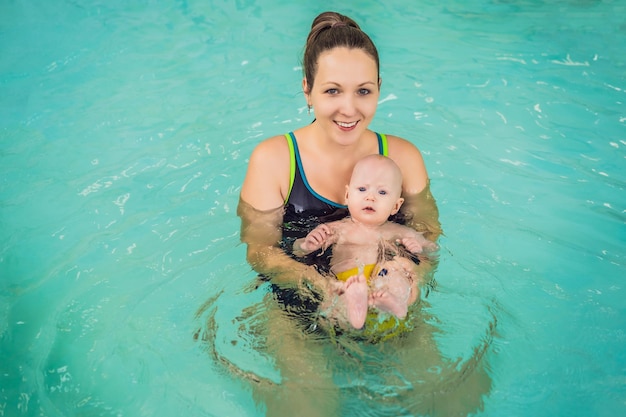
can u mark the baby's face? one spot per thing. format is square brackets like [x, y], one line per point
[374, 192]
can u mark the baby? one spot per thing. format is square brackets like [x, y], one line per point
[367, 247]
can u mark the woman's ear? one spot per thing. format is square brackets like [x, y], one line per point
[380, 81]
[305, 88]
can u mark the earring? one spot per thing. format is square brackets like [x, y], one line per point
[309, 107]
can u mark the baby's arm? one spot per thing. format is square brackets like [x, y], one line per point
[322, 235]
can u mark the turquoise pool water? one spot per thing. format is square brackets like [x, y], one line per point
[124, 133]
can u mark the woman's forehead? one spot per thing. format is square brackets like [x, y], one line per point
[342, 65]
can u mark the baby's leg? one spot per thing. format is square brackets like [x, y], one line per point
[393, 288]
[347, 307]
[356, 300]
[408, 268]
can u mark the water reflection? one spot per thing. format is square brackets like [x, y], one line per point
[291, 365]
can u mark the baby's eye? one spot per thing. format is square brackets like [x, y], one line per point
[382, 192]
[361, 189]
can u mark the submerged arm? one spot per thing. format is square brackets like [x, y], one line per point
[419, 210]
[422, 214]
[261, 231]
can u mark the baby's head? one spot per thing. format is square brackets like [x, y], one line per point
[380, 169]
[375, 189]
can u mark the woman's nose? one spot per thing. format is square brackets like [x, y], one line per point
[348, 105]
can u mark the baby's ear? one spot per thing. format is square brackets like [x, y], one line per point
[397, 206]
[345, 197]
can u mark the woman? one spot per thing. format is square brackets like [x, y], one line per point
[297, 181]
[342, 86]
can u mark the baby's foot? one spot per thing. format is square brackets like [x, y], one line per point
[386, 302]
[356, 300]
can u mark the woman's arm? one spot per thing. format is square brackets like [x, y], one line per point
[422, 213]
[261, 211]
[419, 205]
[261, 231]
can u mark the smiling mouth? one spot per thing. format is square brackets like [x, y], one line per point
[347, 125]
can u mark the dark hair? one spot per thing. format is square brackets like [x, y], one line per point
[331, 30]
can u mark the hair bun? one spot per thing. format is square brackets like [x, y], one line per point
[329, 20]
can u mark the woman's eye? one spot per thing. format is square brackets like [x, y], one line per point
[332, 91]
[364, 91]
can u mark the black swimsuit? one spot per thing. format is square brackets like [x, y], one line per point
[305, 208]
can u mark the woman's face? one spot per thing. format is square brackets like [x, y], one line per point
[345, 93]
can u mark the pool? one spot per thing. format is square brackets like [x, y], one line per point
[124, 135]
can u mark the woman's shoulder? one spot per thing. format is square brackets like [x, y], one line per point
[267, 178]
[403, 152]
[272, 146]
[398, 144]
[271, 153]
[411, 163]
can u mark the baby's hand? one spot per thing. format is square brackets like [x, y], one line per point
[316, 238]
[414, 245]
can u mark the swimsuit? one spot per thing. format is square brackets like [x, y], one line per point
[301, 198]
[305, 209]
